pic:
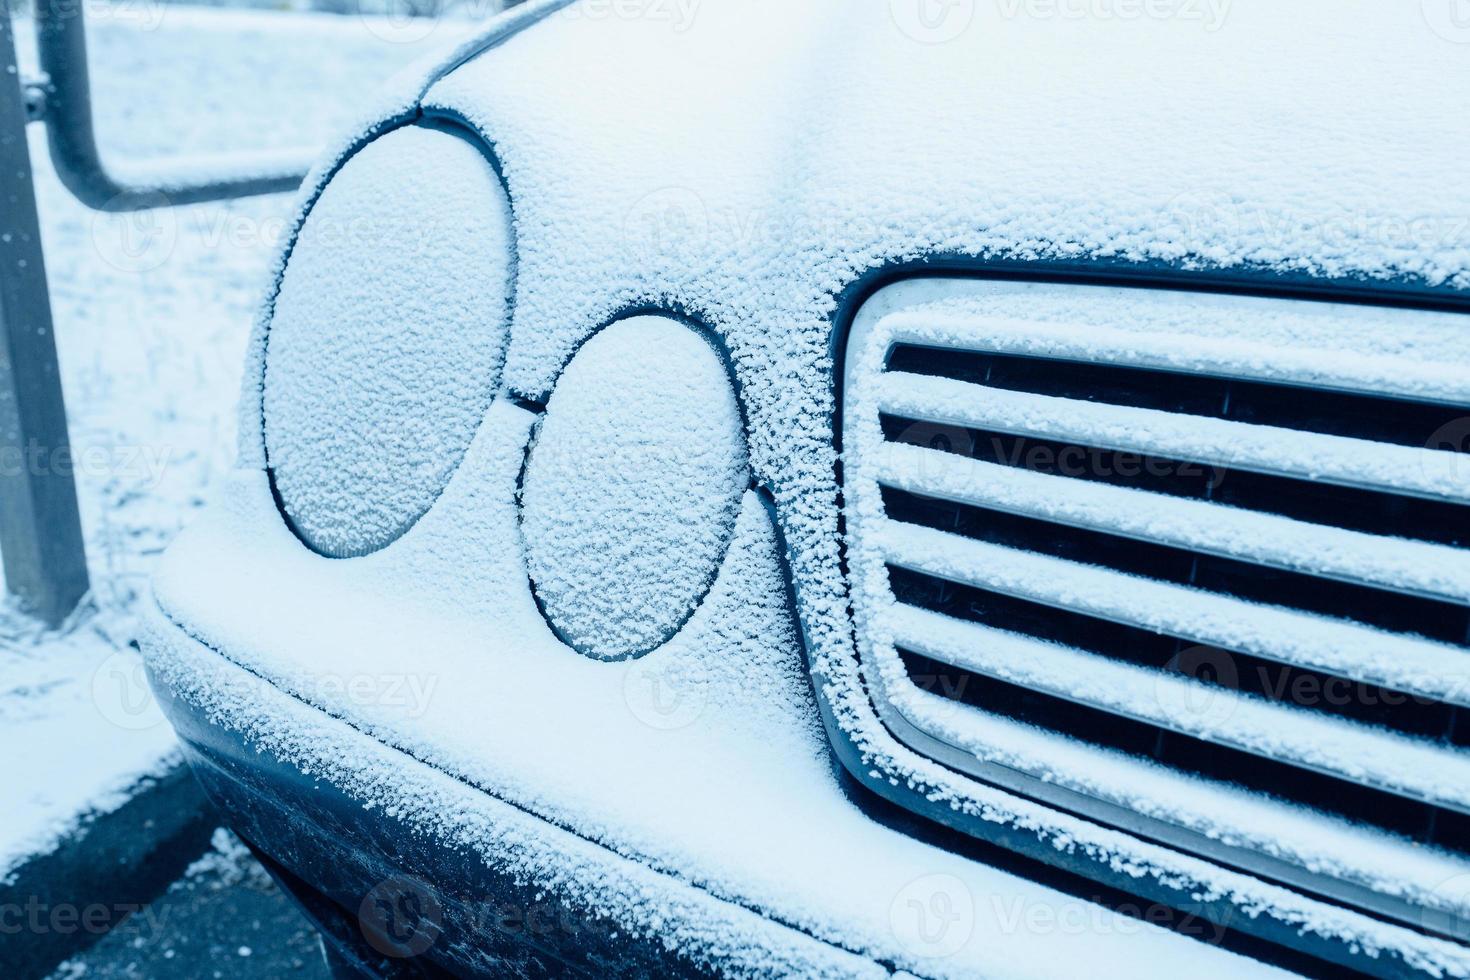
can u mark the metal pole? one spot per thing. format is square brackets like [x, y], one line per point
[40, 531]
[61, 37]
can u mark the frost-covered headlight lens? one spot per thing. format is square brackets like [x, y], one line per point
[387, 339]
[632, 486]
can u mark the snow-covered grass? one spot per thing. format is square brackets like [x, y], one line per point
[152, 312]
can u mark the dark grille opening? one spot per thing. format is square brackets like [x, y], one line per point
[1131, 534]
[1303, 688]
[1376, 418]
[1382, 608]
[1369, 511]
[1418, 821]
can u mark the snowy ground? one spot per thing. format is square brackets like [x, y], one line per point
[223, 918]
[152, 312]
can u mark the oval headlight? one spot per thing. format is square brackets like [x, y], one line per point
[387, 339]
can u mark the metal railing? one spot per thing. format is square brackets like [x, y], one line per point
[41, 541]
[65, 107]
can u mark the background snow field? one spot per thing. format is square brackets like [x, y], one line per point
[152, 311]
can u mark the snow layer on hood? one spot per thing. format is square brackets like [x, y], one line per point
[632, 486]
[744, 169]
[751, 174]
[389, 330]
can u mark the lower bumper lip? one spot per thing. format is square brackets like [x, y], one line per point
[504, 883]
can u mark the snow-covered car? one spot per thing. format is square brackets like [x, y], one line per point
[859, 489]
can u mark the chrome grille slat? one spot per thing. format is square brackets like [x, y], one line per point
[1094, 343]
[1395, 564]
[1420, 667]
[1357, 463]
[1376, 759]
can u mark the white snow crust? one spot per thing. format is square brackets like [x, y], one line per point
[636, 899]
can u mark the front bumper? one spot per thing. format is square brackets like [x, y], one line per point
[685, 804]
[436, 868]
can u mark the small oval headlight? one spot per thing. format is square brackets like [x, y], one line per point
[632, 487]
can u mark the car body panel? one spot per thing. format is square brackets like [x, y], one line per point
[757, 168]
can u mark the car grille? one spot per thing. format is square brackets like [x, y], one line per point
[1197, 567]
